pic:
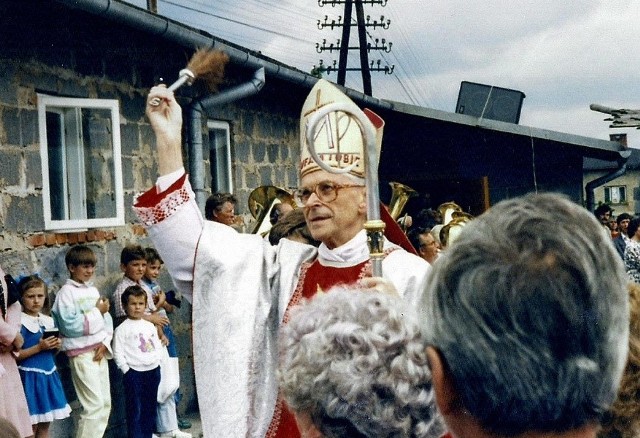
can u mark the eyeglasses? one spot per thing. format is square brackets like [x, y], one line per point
[326, 191]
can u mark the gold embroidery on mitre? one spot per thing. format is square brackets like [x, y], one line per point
[338, 140]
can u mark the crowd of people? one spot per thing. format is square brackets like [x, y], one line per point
[624, 230]
[508, 325]
[524, 334]
[79, 323]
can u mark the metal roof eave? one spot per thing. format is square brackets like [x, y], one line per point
[605, 146]
[189, 37]
[186, 36]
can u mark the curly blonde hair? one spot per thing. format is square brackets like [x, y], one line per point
[623, 420]
[355, 362]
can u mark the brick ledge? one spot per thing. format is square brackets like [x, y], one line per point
[54, 239]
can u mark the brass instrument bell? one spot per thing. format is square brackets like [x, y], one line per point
[400, 194]
[261, 202]
[451, 230]
[446, 211]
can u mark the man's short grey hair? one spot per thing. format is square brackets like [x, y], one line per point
[529, 312]
[355, 362]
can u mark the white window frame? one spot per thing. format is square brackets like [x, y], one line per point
[223, 126]
[74, 195]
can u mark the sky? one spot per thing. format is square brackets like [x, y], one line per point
[563, 55]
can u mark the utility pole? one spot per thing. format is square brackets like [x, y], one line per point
[152, 6]
[364, 58]
[343, 47]
[620, 117]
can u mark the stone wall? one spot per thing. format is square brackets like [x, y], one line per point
[49, 49]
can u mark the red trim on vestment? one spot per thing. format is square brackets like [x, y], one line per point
[375, 119]
[394, 233]
[151, 197]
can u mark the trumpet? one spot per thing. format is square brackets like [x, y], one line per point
[374, 224]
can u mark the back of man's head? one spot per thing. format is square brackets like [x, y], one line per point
[529, 314]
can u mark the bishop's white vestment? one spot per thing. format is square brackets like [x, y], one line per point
[240, 287]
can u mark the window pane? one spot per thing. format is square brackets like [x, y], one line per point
[98, 163]
[607, 195]
[219, 160]
[82, 169]
[615, 195]
[56, 166]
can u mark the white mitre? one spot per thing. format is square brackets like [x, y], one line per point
[339, 142]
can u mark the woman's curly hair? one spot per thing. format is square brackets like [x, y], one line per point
[623, 420]
[354, 360]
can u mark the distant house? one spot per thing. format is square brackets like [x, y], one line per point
[620, 187]
[75, 146]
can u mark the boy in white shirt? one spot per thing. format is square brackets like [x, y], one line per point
[137, 351]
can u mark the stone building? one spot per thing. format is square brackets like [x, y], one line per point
[75, 147]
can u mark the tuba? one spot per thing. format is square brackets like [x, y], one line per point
[446, 211]
[400, 194]
[261, 202]
[452, 229]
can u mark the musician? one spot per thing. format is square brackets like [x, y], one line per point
[279, 211]
[241, 286]
[425, 244]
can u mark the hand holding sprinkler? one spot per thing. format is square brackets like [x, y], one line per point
[205, 64]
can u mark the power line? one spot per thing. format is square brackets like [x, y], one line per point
[257, 18]
[231, 20]
[410, 94]
[417, 66]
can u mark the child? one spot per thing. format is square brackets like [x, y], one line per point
[42, 385]
[133, 264]
[13, 406]
[82, 316]
[138, 352]
[167, 423]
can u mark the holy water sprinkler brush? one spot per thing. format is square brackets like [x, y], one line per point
[205, 64]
